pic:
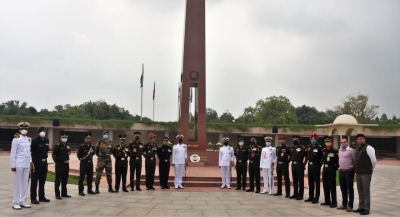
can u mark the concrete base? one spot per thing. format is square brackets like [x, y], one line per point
[195, 164]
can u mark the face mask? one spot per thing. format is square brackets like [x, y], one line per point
[64, 140]
[295, 142]
[105, 136]
[24, 132]
[42, 134]
[313, 142]
[253, 142]
[268, 144]
[225, 143]
[344, 145]
[180, 140]
[241, 143]
[122, 141]
[137, 138]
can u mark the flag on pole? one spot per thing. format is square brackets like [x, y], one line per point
[141, 77]
[191, 95]
[154, 90]
[179, 92]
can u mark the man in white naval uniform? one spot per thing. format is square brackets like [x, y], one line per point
[179, 159]
[21, 161]
[267, 164]
[226, 156]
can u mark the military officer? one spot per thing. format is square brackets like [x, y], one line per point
[135, 162]
[225, 161]
[298, 156]
[104, 151]
[164, 153]
[254, 165]
[282, 168]
[150, 150]
[21, 162]
[85, 155]
[242, 155]
[267, 165]
[179, 160]
[39, 150]
[331, 164]
[60, 156]
[121, 153]
[314, 168]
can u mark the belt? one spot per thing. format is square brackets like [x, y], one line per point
[151, 158]
[251, 161]
[137, 158]
[64, 161]
[346, 170]
[166, 160]
[297, 162]
[44, 160]
[122, 158]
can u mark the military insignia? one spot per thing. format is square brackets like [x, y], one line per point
[68, 147]
[118, 148]
[149, 151]
[140, 146]
[298, 149]
[229, 148]
[126, 149]
[169, 150]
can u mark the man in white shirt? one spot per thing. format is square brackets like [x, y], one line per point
[21, 161]
[179, 159]
[267, 164]
[226, 156]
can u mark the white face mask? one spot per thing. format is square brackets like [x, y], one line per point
[241, 143]
[42, 134]
[268, 144]
[24, 132]
[64, 140]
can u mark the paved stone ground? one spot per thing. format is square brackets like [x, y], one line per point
[385, 198]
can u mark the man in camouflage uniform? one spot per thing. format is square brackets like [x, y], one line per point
[104, 151]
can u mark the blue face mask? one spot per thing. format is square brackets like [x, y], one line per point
[313, 142]
[344, 145]
[105, 136]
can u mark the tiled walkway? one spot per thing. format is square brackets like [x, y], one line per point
[385, 198]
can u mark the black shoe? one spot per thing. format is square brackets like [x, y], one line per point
[325, 204]
[66, 196]
[237, 188]
[162, 187]
[244, 189]
[90, 192]
[287, 196]
[293, 197]
[167, 187]
[358, 210]
[147, 188]
[116, 191]
[125, 190]
[81, 194]
[97, 189]
[299, 198]
[278, 194]
[58, 198]
[250, 190]
[152, 188]
[44, 200]
[132, 189]
[314, 201]
[309, 200]
[112, 190]
[34, 202]
[365, 212]
[257, 191]
[333, 205]
[138, 189]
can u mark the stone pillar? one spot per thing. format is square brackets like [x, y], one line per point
[111, 135]
[221, 136]
[167, 134]
[275, 142]
[336, 141]
[50, 136]
[398, 146]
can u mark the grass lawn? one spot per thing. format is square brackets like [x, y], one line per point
[73, 180]
[337, 178]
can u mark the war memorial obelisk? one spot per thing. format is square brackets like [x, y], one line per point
[194, 75]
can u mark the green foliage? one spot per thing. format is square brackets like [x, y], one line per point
[385, 127]
[211, 115]
[358, 106]
[73, 180]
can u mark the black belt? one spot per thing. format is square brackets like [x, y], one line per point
[282, 162]
[297, 162]
[63, 161]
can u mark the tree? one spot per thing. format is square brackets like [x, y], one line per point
[384, 118]
[359, 107]
[226, 117]
[211, 115]
[275, 110]
[305, 113]
[247, 117]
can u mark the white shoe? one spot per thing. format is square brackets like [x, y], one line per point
[16, 206]
[24, 205]
[229, 187]
[176, 187]
[180, 186]
[264, 192]
[222, 186]
[270, 193]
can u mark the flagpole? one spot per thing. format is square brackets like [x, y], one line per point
[179, 101]
[154, 91]
[141, 99]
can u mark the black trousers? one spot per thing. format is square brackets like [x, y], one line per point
[85, 169]
[38, 176]
[314, 180]
[298, 179]
[346, 179]
[150, 166]
[121, 168]
[283, 170]
[135, 165]
[329, 182]
[62, 171]
[163, 169]
[241, 174]
[254, 173]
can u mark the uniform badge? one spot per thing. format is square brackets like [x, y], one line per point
[298, 149]
[149, 151]
[126, 149]
[169, 150]
[140, 146]
[68, 147]
[47, 144]
[118, 148]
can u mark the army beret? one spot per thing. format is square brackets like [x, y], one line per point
[314, 135]
[296, 138]
[137, 133]
[268, 139]
[240, 139]
[23, 125]
[40, 129]
[64, 135]
[179, 136]
[225, 139]
[165, 139]
[281, 137]
[360, 135]
[151, 135]
[122, 137]
[328, 139]
[105, 132]
[87, 136]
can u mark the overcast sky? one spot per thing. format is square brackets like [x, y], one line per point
[313, 52]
